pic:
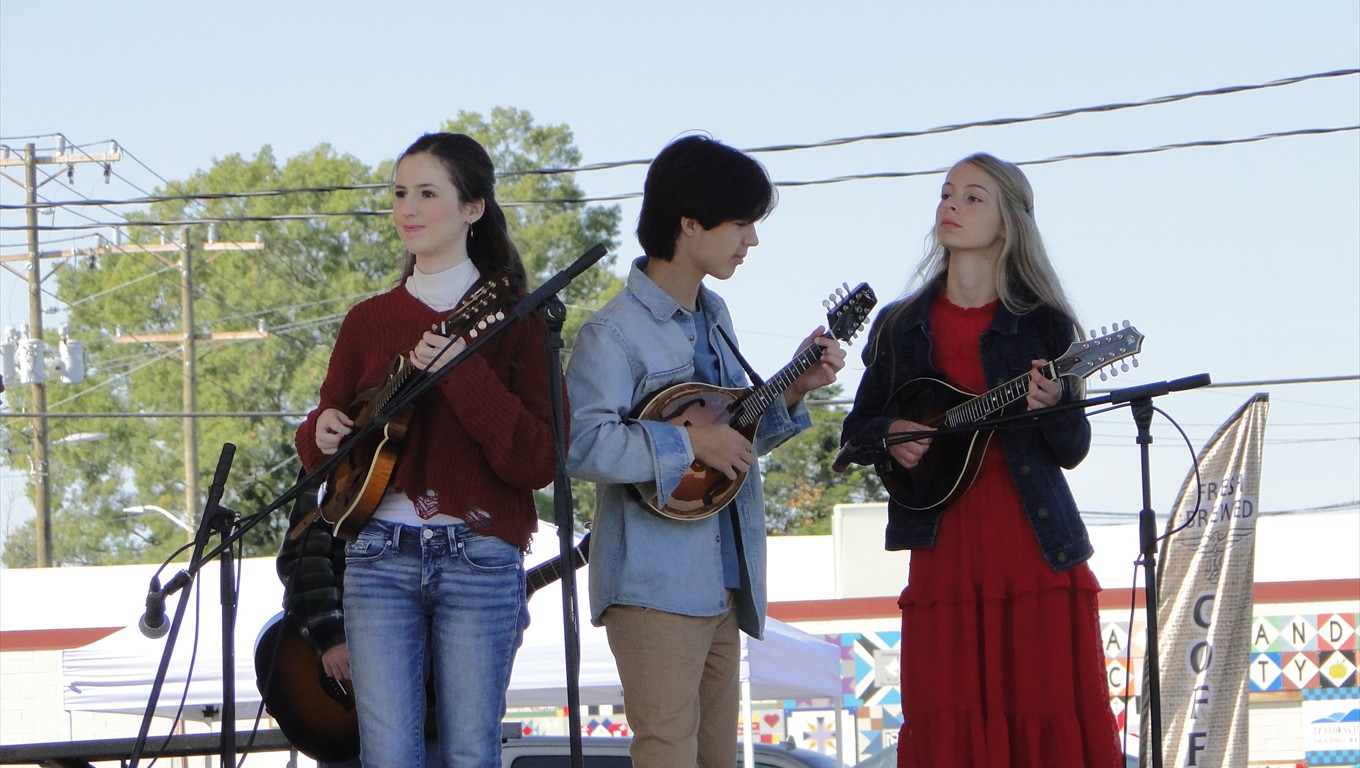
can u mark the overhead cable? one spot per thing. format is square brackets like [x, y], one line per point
[888, 135]
[630, 195]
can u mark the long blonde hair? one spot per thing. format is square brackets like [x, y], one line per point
[1025, 278]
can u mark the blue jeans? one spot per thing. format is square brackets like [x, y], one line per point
[436, 596]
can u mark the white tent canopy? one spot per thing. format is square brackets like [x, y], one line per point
[787, 664]
[115, 674]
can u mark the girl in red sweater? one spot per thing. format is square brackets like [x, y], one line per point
[434, 581]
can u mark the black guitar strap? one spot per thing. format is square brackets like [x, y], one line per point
[755, 377]
[732, 507]
[733, 517]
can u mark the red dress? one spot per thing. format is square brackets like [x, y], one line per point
[1002, 663]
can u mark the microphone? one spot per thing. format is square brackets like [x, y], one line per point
[842, 461]
[1158, 388]
[845, 456]
[219, 482]
[153, 623]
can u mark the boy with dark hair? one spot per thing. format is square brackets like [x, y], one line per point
[673, 594]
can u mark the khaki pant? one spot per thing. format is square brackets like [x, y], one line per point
[680, 685]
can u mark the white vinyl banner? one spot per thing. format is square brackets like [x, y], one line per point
[1205, 598]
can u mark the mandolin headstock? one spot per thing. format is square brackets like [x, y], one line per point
[851, 308]
[1119, 345]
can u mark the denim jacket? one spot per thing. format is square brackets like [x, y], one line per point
[1036, 455]
[639, 343]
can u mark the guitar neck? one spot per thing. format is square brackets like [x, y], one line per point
[403, 374]
[454, 324]
[993, 400]
[750, 408]
[541, 576]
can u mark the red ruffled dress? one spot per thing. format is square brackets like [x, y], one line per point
[1002, 663]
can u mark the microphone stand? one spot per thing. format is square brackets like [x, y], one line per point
[223, 521]
[540, 297]
[1140, 405]
[555, 313]
[213, 512]
[1141, 408]
[1139, 399]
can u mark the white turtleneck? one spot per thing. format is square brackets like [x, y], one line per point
[442, 290]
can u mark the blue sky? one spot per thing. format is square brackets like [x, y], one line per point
[1242, 261]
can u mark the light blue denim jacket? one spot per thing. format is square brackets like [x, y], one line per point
[642, 341]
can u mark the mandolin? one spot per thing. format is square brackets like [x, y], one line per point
[949, 468]
[355, 487]
[316, 712]
[704, 490]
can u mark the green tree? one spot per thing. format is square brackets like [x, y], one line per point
[550, 235]
[324, 250]
[801, 490]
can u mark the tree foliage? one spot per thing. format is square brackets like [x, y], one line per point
[323, 250]
[801, 490]
[327, 242]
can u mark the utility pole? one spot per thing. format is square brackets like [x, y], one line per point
[188, 352]
[42, 493]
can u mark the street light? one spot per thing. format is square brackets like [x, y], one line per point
[80, 437]
[140, 508]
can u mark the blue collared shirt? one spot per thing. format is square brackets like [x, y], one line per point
[639, 343]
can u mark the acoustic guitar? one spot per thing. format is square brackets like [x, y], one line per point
[317, 712]
[951, 465]
[353, 490]
[704, 490]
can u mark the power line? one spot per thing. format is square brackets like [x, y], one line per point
[834, 142]
[1225, 90]
[1084, 155]
[631, 195]
[1063, 112]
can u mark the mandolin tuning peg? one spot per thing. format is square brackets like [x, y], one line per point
[1125, 324]
[1091, 333]
[1134, 360]
[1103, 377]
[846, 287]
[1124, 366]
[826, 303]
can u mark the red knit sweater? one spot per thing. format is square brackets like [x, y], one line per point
[481, 439]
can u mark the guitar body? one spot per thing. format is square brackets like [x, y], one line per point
[703, 490]
[312, 710]
[951, 464]
[357, 484]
